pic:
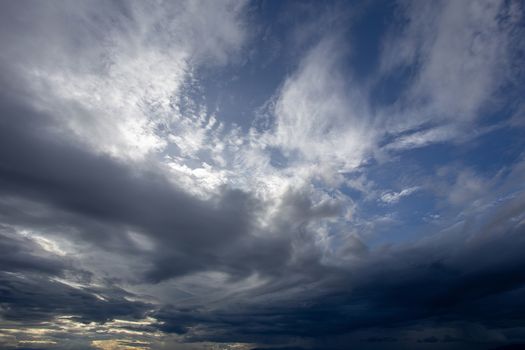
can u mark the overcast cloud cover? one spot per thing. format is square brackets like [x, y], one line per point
[262, 175]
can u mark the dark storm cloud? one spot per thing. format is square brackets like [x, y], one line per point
[55, 186]
[34, 298]
[446, 281]
[21, 254]
[101, 197]
[29, 293]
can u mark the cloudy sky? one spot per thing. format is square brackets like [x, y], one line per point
[207, 175]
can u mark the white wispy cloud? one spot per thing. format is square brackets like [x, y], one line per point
[321, 116]
[462, 51]
[121, 97]
[394, 197]
[423, 138]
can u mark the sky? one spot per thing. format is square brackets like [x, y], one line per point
[287, 175]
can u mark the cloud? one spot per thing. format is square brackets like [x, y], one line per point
[112, 73]
[394, 197]
[22, 254]
[134, 214]
[105, 190]
[318, 116]
[460, 57]
[459, 269]
[39, 299]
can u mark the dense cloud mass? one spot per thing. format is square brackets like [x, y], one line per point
[262, 175]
